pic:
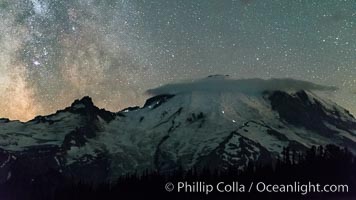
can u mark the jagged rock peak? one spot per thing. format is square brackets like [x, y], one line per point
[85, 101]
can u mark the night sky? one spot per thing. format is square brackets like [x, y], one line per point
[52, 52]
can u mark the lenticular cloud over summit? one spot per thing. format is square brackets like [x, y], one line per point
[220, 83]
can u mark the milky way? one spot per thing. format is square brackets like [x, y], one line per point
[52, 52]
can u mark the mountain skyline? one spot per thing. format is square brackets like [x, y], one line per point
[115, 50]
[217, 83]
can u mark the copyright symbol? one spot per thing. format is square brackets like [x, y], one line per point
[169, 187]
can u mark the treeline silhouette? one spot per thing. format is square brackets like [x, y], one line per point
[323, 165]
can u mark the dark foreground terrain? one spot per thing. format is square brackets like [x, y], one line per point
[323, 165]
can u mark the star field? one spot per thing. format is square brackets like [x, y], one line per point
[52, 52]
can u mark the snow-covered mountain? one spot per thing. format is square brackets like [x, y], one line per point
[214, 122]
